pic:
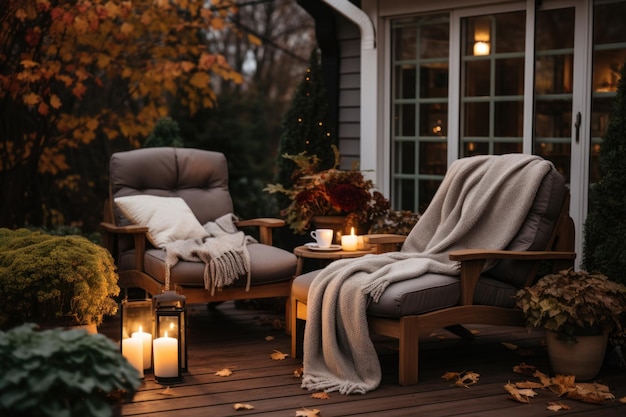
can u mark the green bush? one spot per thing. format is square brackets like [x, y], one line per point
[605, 227]
[45, 278]
[62, 373]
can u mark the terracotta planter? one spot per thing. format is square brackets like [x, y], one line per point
[583, 359]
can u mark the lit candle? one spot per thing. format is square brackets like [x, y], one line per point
[166, 357]
[146, 339]
[349, 242]
[132, 349]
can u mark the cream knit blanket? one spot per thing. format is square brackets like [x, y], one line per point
[481, 203]
[224, 253]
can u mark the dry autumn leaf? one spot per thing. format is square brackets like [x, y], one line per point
[240, 406]
[522, 396]
[553, 406]
[298, 372]
[528, 384]
[306, 412]
[269, 338]
[525, 369]
[224, 372]
[461, 379]
[449, 376]
[278, 355]
[592, 393]
[320, 395]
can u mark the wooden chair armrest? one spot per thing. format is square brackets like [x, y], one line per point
[385, 242]
[265, 225]
[473, 254]
[473, 261]
[129, 229]
[139, 239]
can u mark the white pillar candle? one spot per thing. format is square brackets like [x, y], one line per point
[349, 242]
[146, 339]
[132, 349]
[166, 357]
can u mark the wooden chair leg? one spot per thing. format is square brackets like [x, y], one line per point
[409, 353]
[297, 328]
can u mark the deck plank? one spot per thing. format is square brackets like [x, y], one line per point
[235, 338]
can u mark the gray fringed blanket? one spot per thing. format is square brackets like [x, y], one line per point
[481, 203]
[224, 253]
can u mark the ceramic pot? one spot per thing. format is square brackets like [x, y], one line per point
[582, 359]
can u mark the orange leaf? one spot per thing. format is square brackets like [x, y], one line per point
[31, 99]
[43, 109]
[55, 101]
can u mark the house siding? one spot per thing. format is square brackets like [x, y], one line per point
[349, 123]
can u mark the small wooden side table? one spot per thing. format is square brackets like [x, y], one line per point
[304, 252]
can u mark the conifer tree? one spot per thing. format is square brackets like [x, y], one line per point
[305, 127]
[605, 227]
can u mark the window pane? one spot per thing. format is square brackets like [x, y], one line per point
[476, 119]
[405, 157]
[501, 148]
[433, 120]
[553, 119]
[508, 120]
[405, 47]
[477, 78]
[433, 158]
[609, 23]
[405, 120]
[434, 80]
[435, 40]
[510, 77]
[405, 81]
[511, 29]
[555, 29]
[475, 148]
[554, 74]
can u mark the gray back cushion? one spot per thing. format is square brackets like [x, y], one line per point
[535, 231]
[197, 176]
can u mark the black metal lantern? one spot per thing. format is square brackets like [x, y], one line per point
[136, 333]
[170, 343]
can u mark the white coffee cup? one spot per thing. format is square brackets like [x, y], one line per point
[323, 237]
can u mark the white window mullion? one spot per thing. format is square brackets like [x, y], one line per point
[529, 78]
[454, 88]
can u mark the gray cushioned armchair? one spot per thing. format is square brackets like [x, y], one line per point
[200, 178]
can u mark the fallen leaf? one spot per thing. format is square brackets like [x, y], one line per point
[543, 378]
[449, 376]
[278, 355]
[552, 406]
[514, 393]
[320, 395]
[240, 406]
[562, 384]
[475, 332]
[224, 372]
[525, 369]
[305, 412]
[298, 372]
[465, 379]
[622, 400]
[510, 346]
[167, 391]
[269, 338]
[592, 393]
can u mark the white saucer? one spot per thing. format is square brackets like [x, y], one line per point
[313, 246]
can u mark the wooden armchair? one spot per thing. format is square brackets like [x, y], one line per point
[200, 179]
[416, 307]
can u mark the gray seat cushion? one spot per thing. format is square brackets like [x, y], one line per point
[267, 264]
[426, 293]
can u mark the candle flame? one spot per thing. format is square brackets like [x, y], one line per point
[352, 231]
[171, 326]
[165, 333]
[140, 329]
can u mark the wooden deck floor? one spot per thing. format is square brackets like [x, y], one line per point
[235, 338]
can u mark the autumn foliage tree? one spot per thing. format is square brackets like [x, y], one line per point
[75, 72]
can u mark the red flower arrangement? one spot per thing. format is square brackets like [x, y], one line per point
[330, 192]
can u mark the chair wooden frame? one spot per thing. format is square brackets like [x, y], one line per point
[408, 329]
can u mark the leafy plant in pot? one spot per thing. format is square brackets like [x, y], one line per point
[60, 372]
[576, 308]
[54, 280]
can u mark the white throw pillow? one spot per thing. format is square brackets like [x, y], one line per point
[167, 218]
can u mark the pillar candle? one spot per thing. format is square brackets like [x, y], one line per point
[166, 357]
[132, 349]
[349, 242]
[146, 339]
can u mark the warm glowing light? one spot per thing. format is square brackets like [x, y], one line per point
[481, 48]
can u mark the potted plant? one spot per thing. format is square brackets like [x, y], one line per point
[580, 311]
[329, 192]
[54, 280]
[64, 372]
